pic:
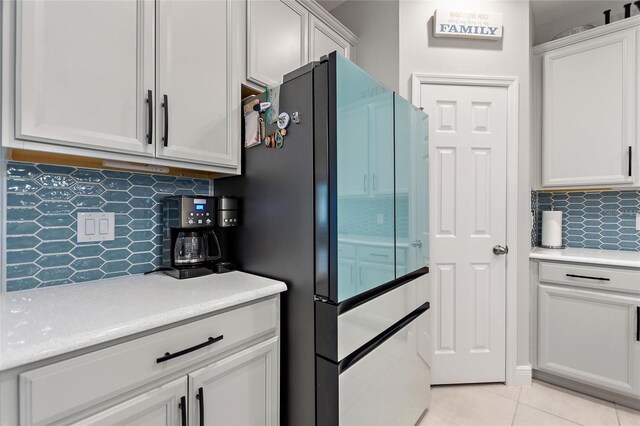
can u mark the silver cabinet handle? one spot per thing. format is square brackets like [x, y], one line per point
[374, 181]
[416, 243]
[365, 183]
[500, 250]
[379, 255]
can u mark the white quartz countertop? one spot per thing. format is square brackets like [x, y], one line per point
[41, 323]
[369, 240]
[628, 259]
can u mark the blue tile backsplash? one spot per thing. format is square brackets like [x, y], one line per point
[359, 216]
[603, 220]
[42, 202]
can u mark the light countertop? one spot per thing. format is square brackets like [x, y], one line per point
[41, 323]
[369, 240]
[628, 259]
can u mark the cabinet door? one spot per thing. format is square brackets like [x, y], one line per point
[371, 275]
[589, 336]
[382, 170]
[161, 406]
[83, 69]
[276, 39]
[353, 151]
[324, 40]
[198, 85]
[347, 278]
[589, 113]
[241, 389]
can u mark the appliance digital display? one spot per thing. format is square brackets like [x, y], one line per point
[199, 206]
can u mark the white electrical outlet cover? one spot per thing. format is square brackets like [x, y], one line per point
[96, 226]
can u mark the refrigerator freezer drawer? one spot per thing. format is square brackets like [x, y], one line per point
[358, 326]
[387, 382]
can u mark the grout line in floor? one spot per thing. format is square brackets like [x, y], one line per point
[615, 407]
[513, 419]
[552, 414]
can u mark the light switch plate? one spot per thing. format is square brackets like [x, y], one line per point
[96, 226]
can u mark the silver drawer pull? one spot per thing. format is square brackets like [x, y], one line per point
[379, 255]
[588, 278]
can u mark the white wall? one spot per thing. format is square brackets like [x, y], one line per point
[575, 13]
[421, 52]
[375, 22]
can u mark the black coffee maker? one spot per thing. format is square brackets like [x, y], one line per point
[190, 246]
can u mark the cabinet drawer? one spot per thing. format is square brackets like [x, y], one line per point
[346, 251]
[53, 392]
[376, 254]
[590, 276]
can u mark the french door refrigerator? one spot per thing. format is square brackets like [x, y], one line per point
[339, 213]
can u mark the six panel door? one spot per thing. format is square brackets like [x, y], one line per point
[83, 72]
[198, 90]
[468, 146]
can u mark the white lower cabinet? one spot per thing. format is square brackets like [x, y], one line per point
[239, 390]
[590, 336]
[371, 275]
[219, 370]
[161, 406]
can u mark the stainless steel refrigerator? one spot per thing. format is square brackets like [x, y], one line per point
[340, 214]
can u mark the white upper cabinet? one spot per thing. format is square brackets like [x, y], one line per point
[83, 70]
[382, 170]
[587, 99]
[198, 86]
[91, 79]
[324, 40]
[283, 35]
[276, 38]
[353, 154]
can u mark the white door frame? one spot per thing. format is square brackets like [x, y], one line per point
[514, 375]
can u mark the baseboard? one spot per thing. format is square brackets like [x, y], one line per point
[521, 377]
[619, 399]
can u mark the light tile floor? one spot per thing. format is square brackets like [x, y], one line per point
[541, 404]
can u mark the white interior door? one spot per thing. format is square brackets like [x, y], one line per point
[468, 137]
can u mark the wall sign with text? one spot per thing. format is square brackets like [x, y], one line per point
[461, 24]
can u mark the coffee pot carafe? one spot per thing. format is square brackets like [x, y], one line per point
[190, 244]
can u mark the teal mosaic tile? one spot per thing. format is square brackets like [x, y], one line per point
[359, 216]
[600, 219]
[42, 202]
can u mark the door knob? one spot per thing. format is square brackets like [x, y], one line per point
[500, 250]
[416, 243]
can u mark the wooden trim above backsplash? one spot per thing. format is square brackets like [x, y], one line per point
[39, 157]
